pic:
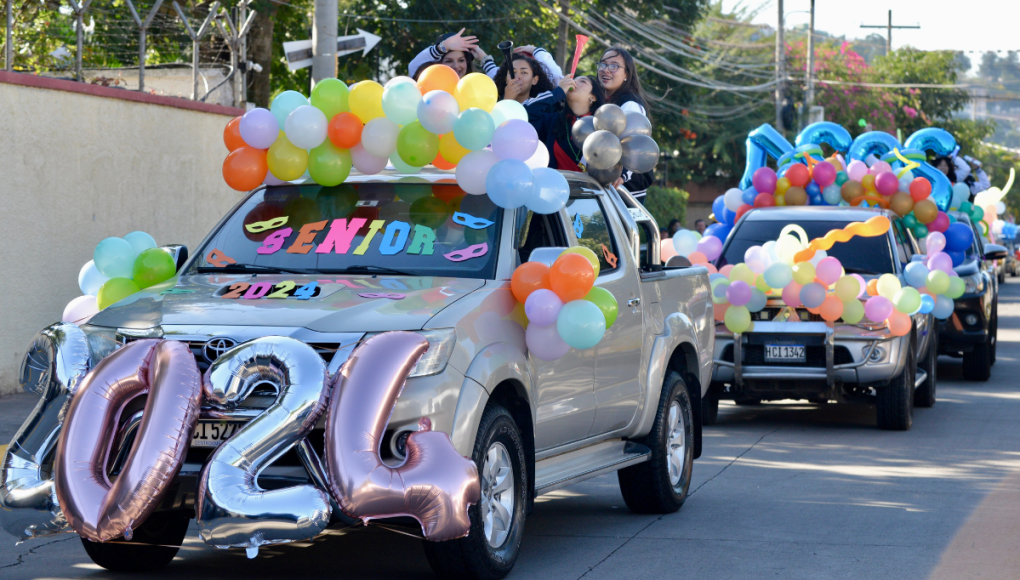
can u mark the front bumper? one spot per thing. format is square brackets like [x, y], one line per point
[956, 336]
[835, 358]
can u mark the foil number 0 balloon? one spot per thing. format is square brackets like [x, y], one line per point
[54, 366]
[164, 370]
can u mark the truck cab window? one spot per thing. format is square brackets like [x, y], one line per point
[537, 231]
[589, 223]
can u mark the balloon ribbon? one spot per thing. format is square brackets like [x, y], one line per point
[875, 226]
[907, 164]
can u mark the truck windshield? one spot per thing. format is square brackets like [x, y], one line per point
[859, 255]
[402, 228]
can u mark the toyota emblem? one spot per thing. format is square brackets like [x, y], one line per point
[215, 347]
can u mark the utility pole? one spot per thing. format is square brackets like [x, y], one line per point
[563, 33]
[780, 67]
[810, 93]
[888, 31]
[8, 49]
[324, 31]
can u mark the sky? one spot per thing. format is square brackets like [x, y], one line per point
[966, 25]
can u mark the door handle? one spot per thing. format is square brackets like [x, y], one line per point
[634, 302]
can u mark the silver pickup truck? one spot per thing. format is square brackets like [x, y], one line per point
[631, 404]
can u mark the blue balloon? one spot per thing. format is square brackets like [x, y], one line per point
[826, 132]
[876, 143]
[115, 258]
[927, 304]
[140, 241]
[551, 191]
[958, 257]
[812, 189]
[916, 274]
[942, 143]
[959, 237]
[90, 279]
[728, 217]
[812, 294]
[748, 196]
[816, 200]
[762, 143]
[284, 104]
[718, 207]
[720, 231]
[943, 307]
[581, 324]
[510, 183]
[797, 155]
[932, 139]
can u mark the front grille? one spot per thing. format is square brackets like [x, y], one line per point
[325, 349]
[754, 355]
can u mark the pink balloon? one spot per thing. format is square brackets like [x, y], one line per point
[711, 246]
[273, 180]
[365, 162]
[940, 261]
[856, 170]
[544, 342]
[725, 270]
[515, 139]
[829, 270]
[878, 308]
[80, 309]
[940, 224]
[886, 183]
[764, 180]
[824, 174]
[542, 307]
[666, 250]
[863, 283]
[881, 167]
[738, 293]
[791, 294]
[935, 242]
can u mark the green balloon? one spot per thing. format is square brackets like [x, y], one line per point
[328, 164]
[401, 165]
[965, 207]
[853, 311]
[114, 290]
[473, 129]
[956, 288]
[152, 267]
[909, 221]
[841, 177]
[416, 146]
[606, 302]
[907, 300]
[920, 231]
[976, 214]
[330, 97]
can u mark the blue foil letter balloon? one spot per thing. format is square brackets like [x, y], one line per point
[826, 132]
[876, 143]
[761, 143]
[942, 143]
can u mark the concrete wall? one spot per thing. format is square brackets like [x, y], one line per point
[76, 168]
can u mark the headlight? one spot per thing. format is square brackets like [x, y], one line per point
[440, 349]
[102, 341]
[974, 284]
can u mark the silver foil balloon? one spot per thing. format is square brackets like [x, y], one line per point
[232, 510]
[602, 149]
[165, 371]
[640, 153]
[606, 176]
[434, 485]
[610, 118]
[637, 124]
[56, 361]
[581, 129]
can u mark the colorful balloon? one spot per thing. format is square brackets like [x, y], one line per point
[285, 160]
[259, 128]
[473, 170]
[329, 165]
[542, 307]
[379, 137]
[571, 277]
[114, 258]
[330, 96]
[365, 101]
[115, 290]
[437, 112]
[606, 302]
[400, 101]
[284, 104]
[515, 139]
[474, 129]
[153, 266]
[245, 168]
[415, 144]
[438, 78]
[344, 130]
[476, 90]
[510, 184]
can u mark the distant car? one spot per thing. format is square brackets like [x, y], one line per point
[794, 354]
[972, 331]
[1012, 262]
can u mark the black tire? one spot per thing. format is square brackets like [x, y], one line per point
[649, 488]
[894, 405]
[473, 557]
[153, 545]
[746, 402]
[924, 396]
[977, 364]
[993, 332]
[710, 407]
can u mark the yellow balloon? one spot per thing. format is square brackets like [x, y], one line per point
[476, 90]
[286, 161]
[365, 100]
[114, 290]
[782, 184]
[737, 319]
[803, 273]
[586, 252]
[847, 288]
[780, 199]
[760, 284]
[742, 272]
[888, 285]
[451, 150]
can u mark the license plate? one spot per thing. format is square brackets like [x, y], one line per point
[784, 353]
[212, 433]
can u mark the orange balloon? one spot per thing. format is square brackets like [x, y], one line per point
[438, 78]
[868, 181]
[441, 163]
[666, 250]
[831, 309]
[813, 310]
[697, 258]
[901, 203]
[527, 278]
[720, 311]
[245, 168]
[872, 287]
[711, 269]
[344, 130]
[571, 277]
[926, 211]
[899, 323]
[232, 135]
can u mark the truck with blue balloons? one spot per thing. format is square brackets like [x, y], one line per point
[388, 350]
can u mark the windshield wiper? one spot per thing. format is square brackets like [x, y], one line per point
[858, 271]
[371, 268]
[241, 268]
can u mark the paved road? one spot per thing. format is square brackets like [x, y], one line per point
[784, 490]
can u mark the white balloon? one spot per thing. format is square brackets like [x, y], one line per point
[685, 242]
[437, 112]
[306, 127]
[90, 279]
[819, 256]
[540, 158]
[379, 137]
[395, 80]
[508, 109]
[79, 310]
[365, 162]
[733, 199]
[905, 181]
[473, 169]
[1000, 208]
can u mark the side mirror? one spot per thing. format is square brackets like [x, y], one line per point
[995, 252]
[179, 252]
[545, 255]
[678, 262]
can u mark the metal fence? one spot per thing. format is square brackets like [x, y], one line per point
[114, 43]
